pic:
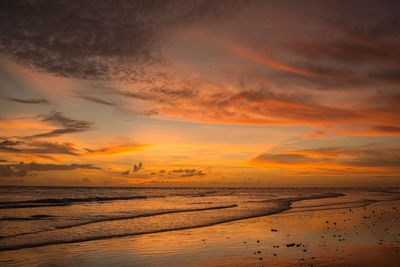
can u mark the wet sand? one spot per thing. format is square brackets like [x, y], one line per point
[361, 236]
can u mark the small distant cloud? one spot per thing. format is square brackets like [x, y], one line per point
[85, 180]
[137, 167]
[125, 172]
[188, 172]
[284, 158]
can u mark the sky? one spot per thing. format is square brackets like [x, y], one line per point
[227, 93]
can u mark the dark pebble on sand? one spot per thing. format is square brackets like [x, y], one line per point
[274, 230]
[290, 245]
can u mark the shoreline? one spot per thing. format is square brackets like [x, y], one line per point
[286, 208]
[284, 205]
[244, 242]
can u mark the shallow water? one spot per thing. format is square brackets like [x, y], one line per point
[39, 216]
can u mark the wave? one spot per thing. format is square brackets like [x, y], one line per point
[49, 202]
[145, 215]
[56, 202]
[281, 206]
[37, 217]
[333, 206]
[33, 217]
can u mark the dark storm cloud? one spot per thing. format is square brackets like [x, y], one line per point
[30, 101]
[68, 125]
[109, 39]
[22, 169]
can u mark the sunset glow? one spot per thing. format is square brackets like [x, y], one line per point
[250, 93]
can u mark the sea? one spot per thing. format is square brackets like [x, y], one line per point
[40, 216]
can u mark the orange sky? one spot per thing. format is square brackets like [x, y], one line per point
[206, 93]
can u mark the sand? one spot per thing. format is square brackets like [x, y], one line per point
[363, 236]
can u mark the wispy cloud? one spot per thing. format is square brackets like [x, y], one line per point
[374, 157]
[117, 149]
[34, 147]
[30, 101]
[186, 172]
[98, 100]
[68, 125]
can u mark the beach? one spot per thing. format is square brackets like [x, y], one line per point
[201, 133]
[333, 231]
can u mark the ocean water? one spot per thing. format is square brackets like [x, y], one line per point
[40, 216]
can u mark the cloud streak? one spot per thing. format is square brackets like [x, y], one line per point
[375, 158]
[115, 150]
[30, 101]
[34, 147]
[22, 169]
